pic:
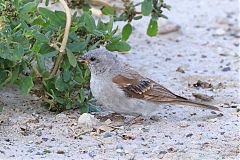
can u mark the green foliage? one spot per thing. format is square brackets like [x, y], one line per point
[30, 39]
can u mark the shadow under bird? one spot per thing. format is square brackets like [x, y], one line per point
[121, 89]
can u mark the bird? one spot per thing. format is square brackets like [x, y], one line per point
[120, 89]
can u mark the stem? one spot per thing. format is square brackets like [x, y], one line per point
[103, 3]
[68, 25]
[64, 41]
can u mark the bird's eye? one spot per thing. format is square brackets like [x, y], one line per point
[92, 59]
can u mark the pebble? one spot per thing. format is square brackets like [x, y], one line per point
[180, 69]
[179, 143]
[30, 150]
[92, 154]
[45, 139]
[119, 148]
[183, 124]
[39, 153]
[107, 134]
[219, 32]
[189, 135]
[212, 120]
[226, 69]
[60, 152]
[168, 28]
[39, 133]
[163, 152]
[87, 120]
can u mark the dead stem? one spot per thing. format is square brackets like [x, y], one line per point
[64, 41]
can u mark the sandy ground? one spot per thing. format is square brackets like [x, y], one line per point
[206, 48]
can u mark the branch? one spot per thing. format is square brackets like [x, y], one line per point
[106, 4]
[103, 3]
[64, 41]
[68, 25]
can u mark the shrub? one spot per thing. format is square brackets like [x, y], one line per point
[39, 47]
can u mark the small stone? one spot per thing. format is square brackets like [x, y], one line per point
[39, 133]
[87, 120]
[30, 150]
[180, 69]
[213, 112]
[92, 154]
[7, 140]
[202, 84]
[179, 143]
[226, 69]
[219, 32]
[222, 133]
[212, 120]
[39, 153]
[171, 149]
[145, 129]
[60, 152]
[61, 116]
[163, 152]
[203, 97]
[168, 28]
[119, 148]
[128, 136]
[183, 124]
[189, 135]
[45, 139]
[168, 59]
[107, 134]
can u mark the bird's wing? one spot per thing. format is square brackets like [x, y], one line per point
[136, 86]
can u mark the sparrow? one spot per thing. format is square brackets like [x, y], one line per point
[123, 90]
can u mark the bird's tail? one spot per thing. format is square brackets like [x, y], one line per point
[197, 104]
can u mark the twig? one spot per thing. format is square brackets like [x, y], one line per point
[103, 3]
[64, 41]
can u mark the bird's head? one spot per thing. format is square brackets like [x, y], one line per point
[99, 61]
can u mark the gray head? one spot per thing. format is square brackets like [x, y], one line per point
[100, 61]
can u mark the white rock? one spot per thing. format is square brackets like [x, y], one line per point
[219, 32]
[168, 28]
[87, 120]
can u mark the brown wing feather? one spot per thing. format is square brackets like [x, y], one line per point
[136, 86]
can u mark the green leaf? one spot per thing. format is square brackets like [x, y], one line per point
[41, 63]
[71, 58]
[126, 32]
[120, 46]
[84, 108]
[41, 38]
[26, 85]
[89, 22]
[152, 28]
[1, 107]
[107, 11]
[101, 26]
[67, 75]
[81, 97]
[147, 6]
[60, 84]
[137, 17]
[110, 24]
[29, 7]
[55, 20]
[39, 21]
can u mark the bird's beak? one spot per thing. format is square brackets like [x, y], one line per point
[83, 60]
